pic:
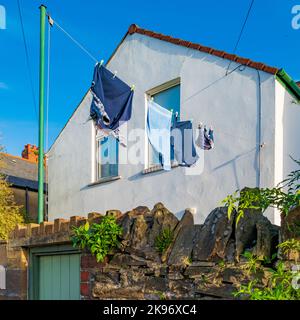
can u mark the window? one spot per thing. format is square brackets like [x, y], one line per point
[107, 156]
[167, 96]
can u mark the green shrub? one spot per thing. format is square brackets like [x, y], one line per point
[280, 286]
[263, 198]
[100, 238]
[163, 241]
[10, 213]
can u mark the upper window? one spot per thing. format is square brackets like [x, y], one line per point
[107, 157]
[168, 97]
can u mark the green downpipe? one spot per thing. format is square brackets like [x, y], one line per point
[41, 116]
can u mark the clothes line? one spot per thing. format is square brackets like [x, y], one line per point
[83, 48]
[54, 22]
[133, 87]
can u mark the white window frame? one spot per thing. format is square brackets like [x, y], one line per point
[98, 159]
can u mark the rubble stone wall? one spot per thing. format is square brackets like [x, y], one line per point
[202, 261]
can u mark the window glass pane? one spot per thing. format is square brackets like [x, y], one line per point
[169, 99]
[108, 154]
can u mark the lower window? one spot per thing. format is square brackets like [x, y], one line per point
[107, 156]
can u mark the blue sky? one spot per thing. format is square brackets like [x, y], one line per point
[100, 25]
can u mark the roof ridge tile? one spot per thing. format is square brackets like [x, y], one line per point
[219, 53]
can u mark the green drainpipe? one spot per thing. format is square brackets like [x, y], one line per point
[289, 84]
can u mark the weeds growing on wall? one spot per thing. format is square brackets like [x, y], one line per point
[283, 283]
[284, 197]
[98, 238]
[163, 241]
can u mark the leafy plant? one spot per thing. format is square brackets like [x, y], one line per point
[100, 238]
[161, 295]
[292, 180]
[263, 198]
[10, 212]
[221, 264]
[163, 241]
[290, 245]
[253, 262]
[280, 287]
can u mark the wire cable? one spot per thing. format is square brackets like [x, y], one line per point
[27, 60]
[75, 41]
[241, 32]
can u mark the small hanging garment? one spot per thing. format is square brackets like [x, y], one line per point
[112, 100]
[206, 138]
[159, 131]
[183, 143]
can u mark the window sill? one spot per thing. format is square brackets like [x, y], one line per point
[157, 168]
[104, 180]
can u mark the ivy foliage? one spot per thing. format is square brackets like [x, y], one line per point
[98, 238]
[10, 213]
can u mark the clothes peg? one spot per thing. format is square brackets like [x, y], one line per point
[50, 20]
[200, 125]
[115, 74]
[101, 63]
[132, 87]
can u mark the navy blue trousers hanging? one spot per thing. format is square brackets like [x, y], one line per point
[112, 99]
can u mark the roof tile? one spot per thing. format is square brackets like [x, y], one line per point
[245, 61]
[218, 53]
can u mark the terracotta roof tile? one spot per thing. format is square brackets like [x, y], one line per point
[218, 53]
[195, 46]
[245, 61]
[206, 49]
[185, 43]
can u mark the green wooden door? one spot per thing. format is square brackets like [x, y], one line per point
[54, 273]
[59, 277]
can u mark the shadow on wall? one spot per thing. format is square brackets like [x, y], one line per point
[232, 163]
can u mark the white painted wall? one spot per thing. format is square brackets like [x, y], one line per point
[291, 135]
[229, 103]
[287, 121]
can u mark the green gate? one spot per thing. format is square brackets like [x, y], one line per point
[54, 273]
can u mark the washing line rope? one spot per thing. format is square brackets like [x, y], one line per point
[53, 22]
[73, 39]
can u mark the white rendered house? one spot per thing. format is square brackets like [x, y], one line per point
[253, 108]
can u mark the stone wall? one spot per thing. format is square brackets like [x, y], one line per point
[202, 262]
